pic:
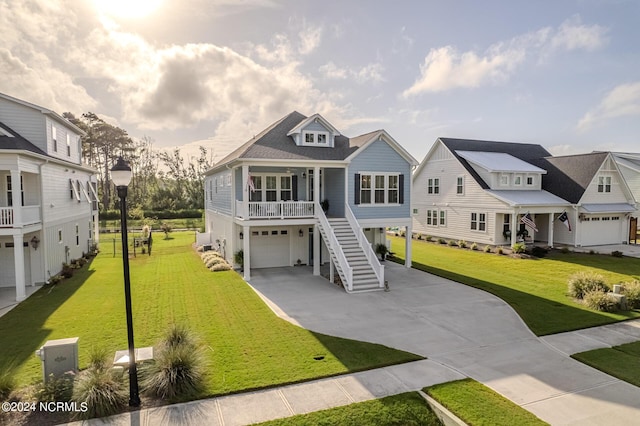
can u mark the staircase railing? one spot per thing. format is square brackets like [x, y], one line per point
[335, 248]
[377, 267]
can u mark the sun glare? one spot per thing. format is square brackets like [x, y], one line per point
[128, 9]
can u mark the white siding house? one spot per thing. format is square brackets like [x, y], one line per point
[301, 193]
[48, 204]
[479, 191]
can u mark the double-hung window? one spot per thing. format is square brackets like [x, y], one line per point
[379, 188]
[285, 188]
[54, 137]
[604, 183]
[271, 193]
[479, 222]
[315, 138]
[257, 185]
[433, 186]
[460, 185]
[365, 189]
[392, 189]
[436, 217]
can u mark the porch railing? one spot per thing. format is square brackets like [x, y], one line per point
[29, 215]
[377, 267]
[275, 209]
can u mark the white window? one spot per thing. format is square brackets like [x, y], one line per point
[604, 183]
[443, 218]
[460, 185]
[432, 217]
[228, 178]
[77, 235]
[385, 188]
[433, 186]
[478, 222]
[504, 180]
[59, 236]
[529, 180]
[68, 145]
[415, 211]
[54, 136]
[315, 138]
[517, 180]
[10, 192]
[285, 188]
[271, 188]
[257, 194]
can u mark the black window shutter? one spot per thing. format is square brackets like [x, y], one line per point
[401, 189]
[294, 187]
[357, 189]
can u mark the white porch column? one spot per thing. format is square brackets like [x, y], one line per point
[316, 250]
[407, 250]
[245, 192]
[316, 185]
[550, 236]
[246, 249]
[514, 228]
[16, 198]
[18, 261]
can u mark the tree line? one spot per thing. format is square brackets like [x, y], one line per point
[161, 180]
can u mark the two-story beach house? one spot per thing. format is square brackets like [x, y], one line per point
[48, 200]
[481, 190]
[301, 193]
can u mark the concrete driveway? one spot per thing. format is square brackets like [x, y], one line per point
[463, 329]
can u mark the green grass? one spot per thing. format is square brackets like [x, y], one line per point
[404, 409]
[478, 405]
[246, 345]
[535, 288]
[621, 361]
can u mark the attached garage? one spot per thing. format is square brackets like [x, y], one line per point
[603, 229]
[7, 266]
[270, 247]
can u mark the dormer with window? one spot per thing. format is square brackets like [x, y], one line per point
[314, 131]
[502, 171]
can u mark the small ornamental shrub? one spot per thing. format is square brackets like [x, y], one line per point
[538, 251]
[631, 290]
[519, 248]
[214, 261]
[429, 238]
[7, 383]
[500, 250]
[442, 241]
[55, 388]
[565, 250]
[55, 279]
[220, 267]
[581, 283]
[474, 246]
[451, 243]
[462, 244]
[166, 228]
[200, 249]
[487, 249]
[600, 301]
[616, 253]
[67, 270]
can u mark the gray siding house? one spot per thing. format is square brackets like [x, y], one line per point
[300, 192]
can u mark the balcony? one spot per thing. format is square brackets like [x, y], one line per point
[29, 214]
[275, 209]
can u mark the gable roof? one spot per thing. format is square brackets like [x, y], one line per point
[569, 176]
[523, 151]
[45, 111]
[275, 143]
[308, 120]
[499, 162]
[16, 142]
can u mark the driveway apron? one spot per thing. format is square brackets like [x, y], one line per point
[462, 328]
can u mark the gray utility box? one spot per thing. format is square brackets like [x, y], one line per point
[59, 356]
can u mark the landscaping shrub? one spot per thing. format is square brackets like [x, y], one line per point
[178, 370]
[631, 290]
[54, 279]
[220, 267]
[581, 283]
[67, 270]
[100, 387]
[474, 246]
[538, 251]
[213, 261]
[565, 250]
[55, 388]
[166, 228]
[600, 301]
[451, 243]
[441, 241]
[500, 250]
[7, 383]
[487, 249]
[519, 248]
[616, 253]
[462, 244]
[429, 238]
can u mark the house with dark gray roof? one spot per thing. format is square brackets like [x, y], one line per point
[48, 200]
[302, 193]
[629, 165]
[500, 193]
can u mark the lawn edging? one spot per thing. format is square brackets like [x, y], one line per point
[446, 417]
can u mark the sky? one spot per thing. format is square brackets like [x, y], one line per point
[563, 74]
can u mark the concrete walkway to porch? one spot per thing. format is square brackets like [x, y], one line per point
[630, 250]
[8, 297]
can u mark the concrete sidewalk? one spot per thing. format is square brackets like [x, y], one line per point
[286, 401]
[606, 336]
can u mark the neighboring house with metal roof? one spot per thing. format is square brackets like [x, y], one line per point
[48, 200]
[269, 196]
[629, 165]
[479, 191]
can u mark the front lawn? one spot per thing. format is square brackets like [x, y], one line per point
[408, 409]
[477, 405]
[535, 288]
[247, 345]
[621, 361]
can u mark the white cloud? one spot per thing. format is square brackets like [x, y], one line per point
[369, 73]
[310, 37]
[446, 68]
[621, 101]
[331, 71]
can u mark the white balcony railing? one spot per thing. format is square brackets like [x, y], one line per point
[29, 215]
[275, 209]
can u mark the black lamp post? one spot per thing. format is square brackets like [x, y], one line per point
[121, 176]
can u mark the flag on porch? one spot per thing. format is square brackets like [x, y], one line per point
[527, 220]
[250, 184]
[564, 218]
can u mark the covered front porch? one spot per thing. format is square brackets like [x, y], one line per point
[544, 226]
[21, 260]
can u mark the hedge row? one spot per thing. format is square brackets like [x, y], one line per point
[160, 214]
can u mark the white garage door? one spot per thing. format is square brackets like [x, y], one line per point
[269, 247]
[602, 229]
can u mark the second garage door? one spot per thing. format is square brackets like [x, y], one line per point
[269, 248]
[601, 230]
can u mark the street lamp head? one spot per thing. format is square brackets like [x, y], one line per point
[121, 173]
